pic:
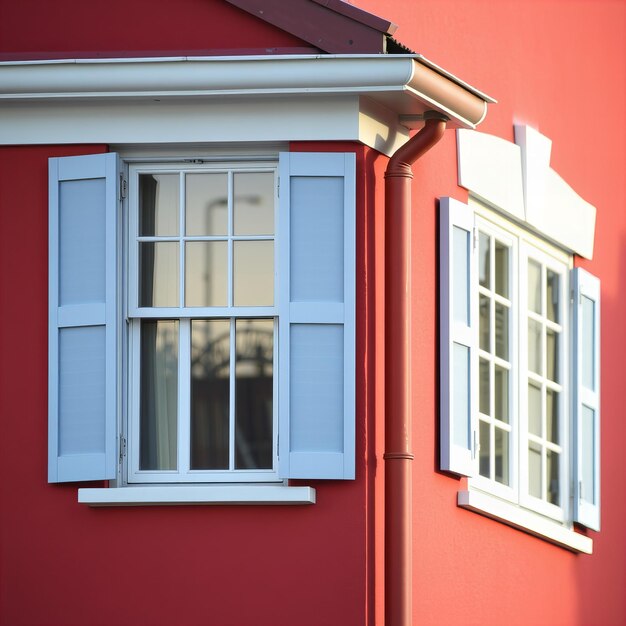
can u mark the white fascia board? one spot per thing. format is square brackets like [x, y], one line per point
[196, 494]
[524, 520]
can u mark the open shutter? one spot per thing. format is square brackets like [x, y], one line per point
[587, 398]
[82, 377]
[317, 315]
[458, 333]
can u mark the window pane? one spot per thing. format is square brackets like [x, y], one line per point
[588, 460]
[158, 395]
[158, 273]
[534, 286]
[588, 357]
[502, 331]
[534, 470]
[552, 296]
[552, 416]
[552, 468]
[253, 267]
[484, 263]
[206, 207]
[552, 356]
[484, 453]
[210, 377]
[534, 346]
[484, 314]
[534, 409]
[501, 380]
[502, 269]
[254, 394]
[206, 273]
[158, 204]
[483, 395]
[254, 203]
[502, 456]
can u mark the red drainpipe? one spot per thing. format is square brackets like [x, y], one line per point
[398, 456]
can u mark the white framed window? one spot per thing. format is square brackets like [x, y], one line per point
[202, 329]
[203, 323]
[511, 353]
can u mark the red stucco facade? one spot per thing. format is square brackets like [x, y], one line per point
[558, 66]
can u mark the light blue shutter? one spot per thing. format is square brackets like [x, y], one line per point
[317, 315]
[586, 398]
[458, 336]
[82, 377]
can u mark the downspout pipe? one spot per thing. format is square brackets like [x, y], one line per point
[398, 383]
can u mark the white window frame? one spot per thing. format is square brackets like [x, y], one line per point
[130, 471]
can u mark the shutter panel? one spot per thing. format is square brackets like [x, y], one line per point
[458, 336]
[82, 332]
[317, 315]
[586, 398]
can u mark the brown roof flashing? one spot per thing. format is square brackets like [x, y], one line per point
[332, 26]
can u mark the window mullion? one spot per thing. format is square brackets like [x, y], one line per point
[184, 395]
[231, 396]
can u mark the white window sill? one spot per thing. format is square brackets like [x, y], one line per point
[196, 494]
[524, 520]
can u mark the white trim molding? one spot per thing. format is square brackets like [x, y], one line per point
[524, 520]
[516, 179]
[374, 99]
[156, 495]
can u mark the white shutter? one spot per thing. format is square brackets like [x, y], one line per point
[458, 335]
[586, 399]
[82, 376]
[317, 315]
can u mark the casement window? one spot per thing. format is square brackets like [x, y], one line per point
[520, 373]
[202, 327]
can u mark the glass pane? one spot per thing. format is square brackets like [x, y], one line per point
[552, 416]
[254, 203]
[484, 314]
[588, 357]
[483, 391]
[461, 396]
[159, 201]
[552, 469]
[484, 452]
[206, 206]
[534, 286]
[534, 409]
[484, 264]
[502, 456]
[552, 356]
[552, 296]
[253, 268]
[534, 347]
[502, 269]
[206, 273]
[158, 410]
[589, 446]
[158, 273]
[254, 394]
[501, 382]
[534, 470]
[460, 275]
[502, 331]
[210, 374]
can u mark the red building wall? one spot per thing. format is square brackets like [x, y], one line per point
[557, 65]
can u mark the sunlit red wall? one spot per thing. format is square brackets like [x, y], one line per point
[559, 66]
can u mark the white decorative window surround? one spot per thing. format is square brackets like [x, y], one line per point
[520, 343]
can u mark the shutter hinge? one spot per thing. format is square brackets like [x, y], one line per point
[475, 444]
[580, 490]
[474, 238]
[123, 187]
[278, 187]
[122, 447]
